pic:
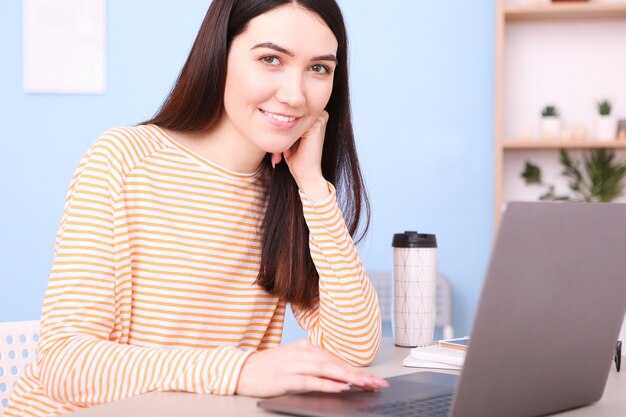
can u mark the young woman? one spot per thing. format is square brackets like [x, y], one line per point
[183, 238]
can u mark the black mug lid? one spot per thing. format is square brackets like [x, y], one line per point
[412, 239]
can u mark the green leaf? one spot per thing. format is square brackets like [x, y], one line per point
[551, 196]
[550, 111]
[604, 107]
[572, 173]
[606, 175]
[531, 174]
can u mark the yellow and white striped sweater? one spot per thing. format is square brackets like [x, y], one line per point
[152, 287]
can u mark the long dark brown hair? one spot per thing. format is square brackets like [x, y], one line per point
[196, 103]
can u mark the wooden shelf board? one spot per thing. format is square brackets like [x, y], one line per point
[565, 11]
[558, 144]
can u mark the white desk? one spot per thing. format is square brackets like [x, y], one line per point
[387, 363]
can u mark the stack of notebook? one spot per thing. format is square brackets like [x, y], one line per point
[435, 356]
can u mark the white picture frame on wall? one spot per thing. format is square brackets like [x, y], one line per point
[64, 46]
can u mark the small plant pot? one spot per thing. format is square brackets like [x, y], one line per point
[606, 128]
[550, 127]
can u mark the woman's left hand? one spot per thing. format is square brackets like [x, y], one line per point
[304, 160]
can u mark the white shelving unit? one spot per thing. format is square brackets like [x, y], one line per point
[567, 54]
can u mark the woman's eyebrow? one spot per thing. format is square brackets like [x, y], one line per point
[278, 48]
[329, 57]
[272, 45]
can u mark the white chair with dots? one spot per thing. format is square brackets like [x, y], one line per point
[383, 282]
[18, 348]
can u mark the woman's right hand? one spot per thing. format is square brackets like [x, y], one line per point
[300, 366]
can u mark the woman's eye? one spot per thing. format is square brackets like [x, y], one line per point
[321, 69]
[271, 60]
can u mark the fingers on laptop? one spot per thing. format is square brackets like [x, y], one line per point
[341, 373]
[300, 366]
[325, 365]
[312, 383]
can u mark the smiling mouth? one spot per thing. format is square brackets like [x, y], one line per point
[280, 117]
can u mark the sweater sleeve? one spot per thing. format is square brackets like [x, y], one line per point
[82, 357]
[346, 321]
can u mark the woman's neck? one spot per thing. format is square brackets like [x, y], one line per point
[221, 147]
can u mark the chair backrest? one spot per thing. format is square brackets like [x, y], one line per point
[383, 283]
[18, 348]
[443, 306]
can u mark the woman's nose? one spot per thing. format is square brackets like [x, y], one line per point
[291, 90]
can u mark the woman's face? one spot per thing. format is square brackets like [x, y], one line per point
[279, 78]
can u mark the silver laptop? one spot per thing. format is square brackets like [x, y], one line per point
[544, 334]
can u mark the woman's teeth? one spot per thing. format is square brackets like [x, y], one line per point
[283, 119]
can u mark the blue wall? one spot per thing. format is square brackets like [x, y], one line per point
[422, 85]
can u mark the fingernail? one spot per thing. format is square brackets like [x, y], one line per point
[273, 165]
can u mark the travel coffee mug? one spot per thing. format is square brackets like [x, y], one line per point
[414, 283]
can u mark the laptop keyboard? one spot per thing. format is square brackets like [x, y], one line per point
[430, 407]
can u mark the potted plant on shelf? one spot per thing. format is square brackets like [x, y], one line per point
[550, 122]
[601, 180]
[606, 125]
